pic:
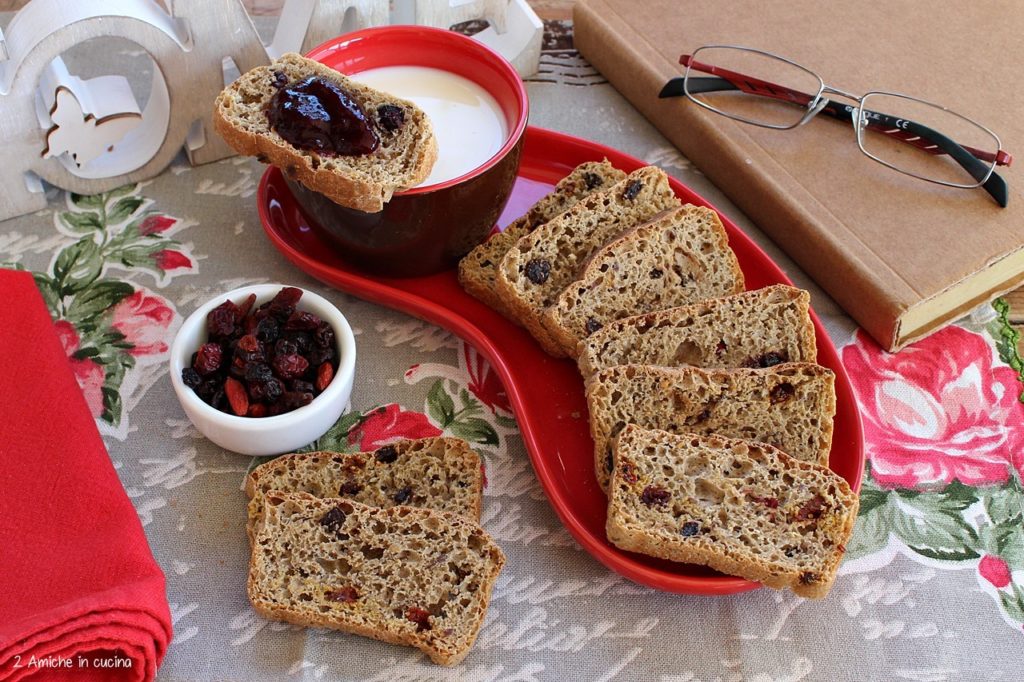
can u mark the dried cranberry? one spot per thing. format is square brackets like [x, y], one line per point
[538, 270]
[418, 616]
[592, 180]
[632, 190]
[403, 495]
[268, 329]
[387, 454]
[780, 393]
[324, 336]
[391, 117]
[655, 495]
[721, 348]
[333, 519]
[208, 358]
[283, 304]
[811, 509]
[689, 529]
[324, 375]
[246, 307]
[191, 378]
[256, 410]
[592, 325]
[770, 502]
[302, 320]
[349, 488]
[628, 470]
[220, 322]
[290, 366]
[345, 595]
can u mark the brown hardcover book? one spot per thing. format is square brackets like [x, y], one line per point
[900, 255]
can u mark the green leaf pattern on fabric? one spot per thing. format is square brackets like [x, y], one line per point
[108, 325]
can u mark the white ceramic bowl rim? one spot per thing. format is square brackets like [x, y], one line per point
[181, 352]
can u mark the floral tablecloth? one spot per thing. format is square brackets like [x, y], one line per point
[933, 584]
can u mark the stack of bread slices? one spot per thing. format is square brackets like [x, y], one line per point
[711, 421]
[385, 544]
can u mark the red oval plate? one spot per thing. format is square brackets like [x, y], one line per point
[547, 394]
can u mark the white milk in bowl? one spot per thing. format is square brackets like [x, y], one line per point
[468, 123]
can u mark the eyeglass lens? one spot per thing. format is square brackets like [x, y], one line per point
[909, 135]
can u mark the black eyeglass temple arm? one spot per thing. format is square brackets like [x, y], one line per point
[995, 185]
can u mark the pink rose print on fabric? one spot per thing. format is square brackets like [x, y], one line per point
[89, 375]
[171, 260]
[994, 570]
[155, 224]
[388, 424]
[937, 411]
[484, 382]
[144, 321]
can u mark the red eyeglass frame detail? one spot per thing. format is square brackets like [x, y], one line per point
[762, 88]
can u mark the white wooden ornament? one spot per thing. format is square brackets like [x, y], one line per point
[89, 136]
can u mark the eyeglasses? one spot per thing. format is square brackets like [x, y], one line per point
[898, 131]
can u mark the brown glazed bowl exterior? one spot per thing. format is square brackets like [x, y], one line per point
[425, 229]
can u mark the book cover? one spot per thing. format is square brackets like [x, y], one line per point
[900, 255]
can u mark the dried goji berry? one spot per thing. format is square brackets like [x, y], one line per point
[324, 376]
[237, 397]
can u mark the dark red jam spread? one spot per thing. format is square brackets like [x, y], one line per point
[317, 115]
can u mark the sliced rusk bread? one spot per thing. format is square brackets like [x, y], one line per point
[682, 257]
[742, 508]
[756, 328]
[544, 262]
[441, 473]
[408, 576]
[789, 406]
[477, 269]
[403, 158]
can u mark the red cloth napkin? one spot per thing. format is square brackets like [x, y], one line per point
[81, 597]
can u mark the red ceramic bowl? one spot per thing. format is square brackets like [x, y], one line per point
[425, 229]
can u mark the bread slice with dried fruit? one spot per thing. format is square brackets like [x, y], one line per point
[440, 473]
[790, 406]
[756, 328]
[742, 508]
[477, 269]
[408, 576]
[680, 258]
[544, 262]
[404, 155]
